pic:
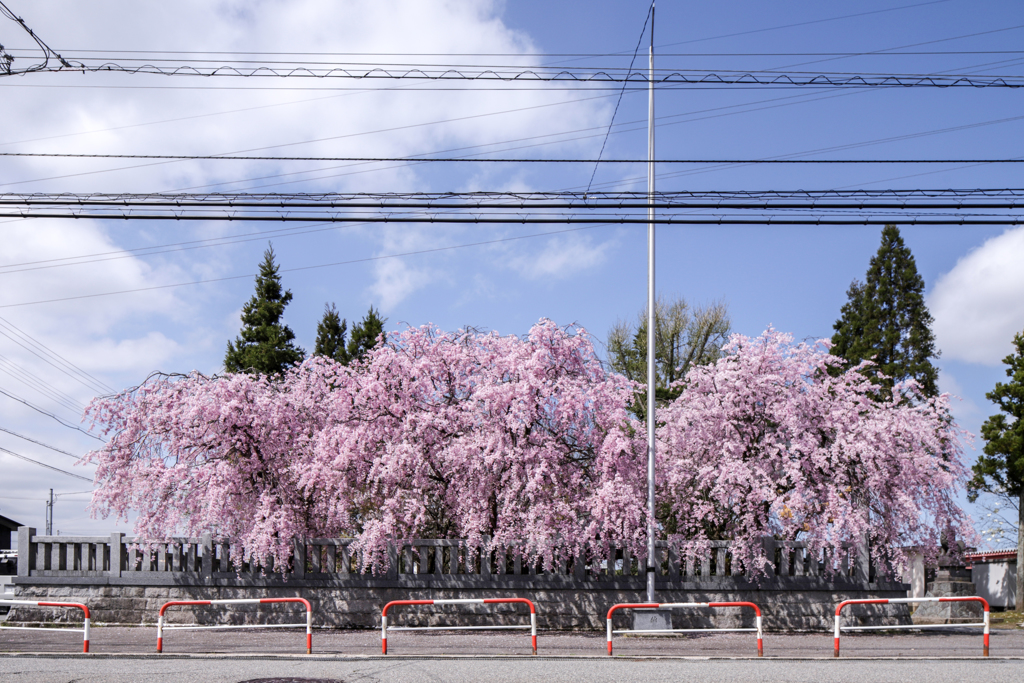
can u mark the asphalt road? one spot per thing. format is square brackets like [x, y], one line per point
[233, 656]
[108, 640]
[49, 669]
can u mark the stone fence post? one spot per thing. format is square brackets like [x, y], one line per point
[207, 541]
[26, 554]
[299, 558]
[862, 568]
[116, 553]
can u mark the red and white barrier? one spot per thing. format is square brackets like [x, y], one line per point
[893, 601]
[161, 626]
[680, 605]
[75, 605]
[489, 601]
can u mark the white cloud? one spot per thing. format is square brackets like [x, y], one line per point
[979, 305]
[123, 338]
[561, 257]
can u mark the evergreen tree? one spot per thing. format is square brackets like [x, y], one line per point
[265, 345]
[1001, 469]
[365, 335]
[885, 318]
[330, 336]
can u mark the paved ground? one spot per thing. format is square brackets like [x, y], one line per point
[283, 642]
[127, 669]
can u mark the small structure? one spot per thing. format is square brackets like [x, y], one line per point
[952, 580]
[7, 528]
[994, 575]
[8, 558]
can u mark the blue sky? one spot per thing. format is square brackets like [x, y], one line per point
[792, 278]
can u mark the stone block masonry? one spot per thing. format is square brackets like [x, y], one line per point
[124, 584]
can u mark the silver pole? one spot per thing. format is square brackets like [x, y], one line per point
[651, 329]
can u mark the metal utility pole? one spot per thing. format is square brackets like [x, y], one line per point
[49, 515]
[651, 330]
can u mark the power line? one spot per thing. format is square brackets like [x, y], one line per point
[48, 414]
[720, 220]
[33, 381]
[326, 265]
[804, 23]
[43, 464]
[540, 75]
[509, 160]
[51, 357]
[485, 199]
[185, 54]
[7, 69]
[166, 248]
[614, 219]
[39, 443]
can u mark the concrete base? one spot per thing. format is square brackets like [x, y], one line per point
[652, 619]
[949, 612]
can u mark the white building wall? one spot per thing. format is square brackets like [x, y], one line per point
[996, 582]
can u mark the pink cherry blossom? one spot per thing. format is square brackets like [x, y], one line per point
[767, 442]
[528, 442]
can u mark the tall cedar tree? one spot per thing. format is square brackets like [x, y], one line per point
[1001, 469]
[330, 336]
[265, 345]
[365, 335]
[885, 318]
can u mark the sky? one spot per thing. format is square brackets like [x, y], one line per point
[90, 307]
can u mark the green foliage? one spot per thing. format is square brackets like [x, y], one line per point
[330, 336]
[885, 319]
[365, 335]
[1001, 469]
[265, 345]
[684, 337]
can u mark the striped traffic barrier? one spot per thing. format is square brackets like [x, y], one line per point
[895, 601]
[74, 605]
[680, 605]
[489, 601]
[161, 625]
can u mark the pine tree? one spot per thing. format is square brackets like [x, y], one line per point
[330, 336]
[1001, 469]
[265, 345]
[885, 318]
[365, 335]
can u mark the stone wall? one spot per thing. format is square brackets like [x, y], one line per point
[125, 583]
[563, 608]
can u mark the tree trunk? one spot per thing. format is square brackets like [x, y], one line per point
[1020, 554]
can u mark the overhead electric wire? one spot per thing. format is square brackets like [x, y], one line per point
[47, 51]
[325, 265]
[725, 77]
[45, 412]
[669, 120]
[834, 148]
[821, 220]
[884, 51]
[39, 443]
[43, 464]
[618, 101]
[51, 357]
[870, 53]
[327, 139]
[85, 259]
[511, 160]
[40, 385]
[514, 219]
